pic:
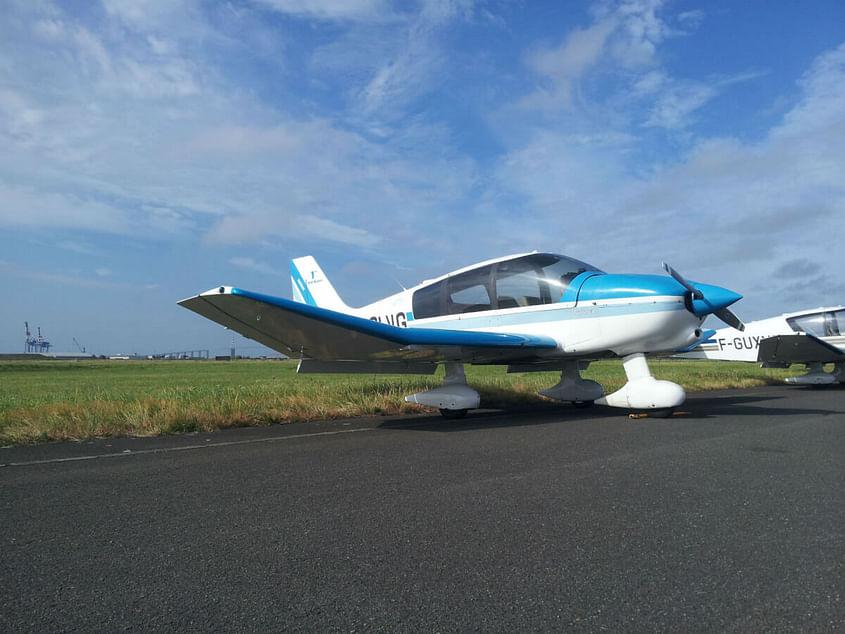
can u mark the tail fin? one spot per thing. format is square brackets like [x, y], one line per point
[311, 286]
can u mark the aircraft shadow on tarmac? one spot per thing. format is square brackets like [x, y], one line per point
[700, 406]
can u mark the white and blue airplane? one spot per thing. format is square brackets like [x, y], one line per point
[812, 337]
[532, 312]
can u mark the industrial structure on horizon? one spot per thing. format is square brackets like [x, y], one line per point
[35, 344]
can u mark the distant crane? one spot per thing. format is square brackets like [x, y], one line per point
[36, 344]
[81, 348]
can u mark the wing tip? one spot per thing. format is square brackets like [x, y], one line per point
[217, 290]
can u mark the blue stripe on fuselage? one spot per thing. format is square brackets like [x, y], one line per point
[551, 312]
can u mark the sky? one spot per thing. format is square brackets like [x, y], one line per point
[153, 149]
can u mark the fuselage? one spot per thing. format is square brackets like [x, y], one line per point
[531, 312]
[586, 310]
[729, 344]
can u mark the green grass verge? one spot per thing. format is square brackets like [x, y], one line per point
[74, 400]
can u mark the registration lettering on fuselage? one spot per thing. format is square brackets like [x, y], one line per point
[740, 343]
[399, 319]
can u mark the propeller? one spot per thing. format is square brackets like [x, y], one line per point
[696, 294]
[730, 319]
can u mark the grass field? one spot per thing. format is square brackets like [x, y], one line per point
[74, 400]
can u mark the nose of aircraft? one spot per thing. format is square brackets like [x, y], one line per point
[699, 299]
[715, 298]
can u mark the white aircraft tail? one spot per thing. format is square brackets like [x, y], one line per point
[312, 287]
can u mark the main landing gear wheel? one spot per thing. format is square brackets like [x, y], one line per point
[583, 404]
[452, 414]
[667, 412]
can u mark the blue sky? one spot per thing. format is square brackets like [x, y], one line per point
[154, 149]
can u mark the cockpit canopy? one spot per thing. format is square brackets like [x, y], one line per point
[829, 323]
[528, 280]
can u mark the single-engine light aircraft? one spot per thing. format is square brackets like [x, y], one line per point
[532, 312]
[811, 337]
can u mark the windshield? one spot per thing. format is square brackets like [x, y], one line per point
[822, 324]
[540, 278]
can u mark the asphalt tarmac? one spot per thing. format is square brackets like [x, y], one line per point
[730, 518]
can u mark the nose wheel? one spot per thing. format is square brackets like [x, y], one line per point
[666, 412]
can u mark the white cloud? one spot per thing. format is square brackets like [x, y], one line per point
[624, 37]
[640, 32]
[27, 207]
[724, 201]
[247, 139]
[821, 110]
[81, 248]
[251, 265]
[64, 278]
[675, 103]
[151, 14]
[50, 29]
[143, 80]
[563, 66]
[621, 47]
[691, 19]
[415, 63]
[92, 53]
[675, 100]
[332, 9]
[240, 229]
[760, 203]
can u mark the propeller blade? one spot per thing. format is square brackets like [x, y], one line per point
[730, 319]
[718, 297]
[697, 294]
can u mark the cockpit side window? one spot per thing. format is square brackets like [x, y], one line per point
[520, 283]
[469, 292]
[426, 301]
[840, 321]
[834, 323]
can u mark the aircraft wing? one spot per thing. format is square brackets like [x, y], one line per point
[797, 348]
[300, 330]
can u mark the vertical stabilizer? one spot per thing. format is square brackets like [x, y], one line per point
[312, 287]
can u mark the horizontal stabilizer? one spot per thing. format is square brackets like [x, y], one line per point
[301, 330]
[797, 348]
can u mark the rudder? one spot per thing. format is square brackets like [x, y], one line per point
[312, 287]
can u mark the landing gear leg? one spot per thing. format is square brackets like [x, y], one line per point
[815, 375]
[453, 398]
[571, 387]
[643, 391]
